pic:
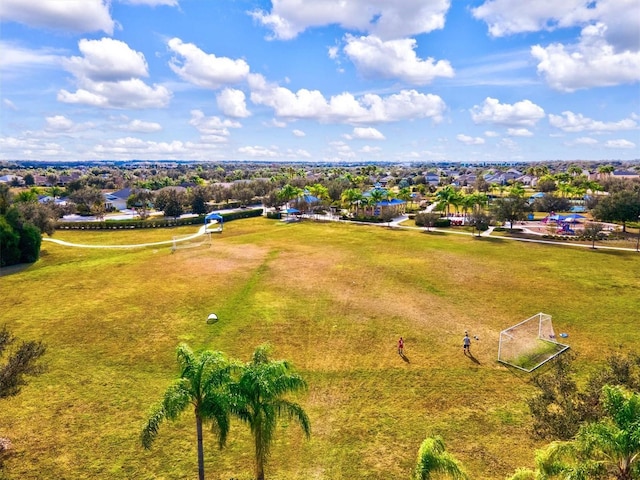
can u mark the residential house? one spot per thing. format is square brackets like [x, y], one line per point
[117, 200]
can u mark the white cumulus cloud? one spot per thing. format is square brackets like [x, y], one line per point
[506, 17]
[214, 128]
[523, 113]
[141, 126]
[345, 108]
[205, 69]
[58, 123]
[395, 59]
[257, 151]
[108, 76]
[385, 18]
[77, 16]
[467, 140]
[367, 133]
[298, 133]
[572, 122]
[106, 60]
[519, 132]
[233, 103]
[620, 143]
[132, 93]
[591, 63]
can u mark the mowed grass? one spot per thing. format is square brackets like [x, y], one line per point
[331, 298]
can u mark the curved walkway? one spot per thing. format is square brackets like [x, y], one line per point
[201, 231]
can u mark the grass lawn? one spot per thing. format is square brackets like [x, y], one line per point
[331, 298]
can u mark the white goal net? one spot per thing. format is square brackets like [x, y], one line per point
[190, 241]
[529, 344]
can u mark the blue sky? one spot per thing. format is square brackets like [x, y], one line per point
[330, 80]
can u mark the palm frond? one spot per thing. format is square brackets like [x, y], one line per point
[150, 430]
[432, 459]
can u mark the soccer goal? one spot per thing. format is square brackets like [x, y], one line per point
[190, 241]
[529, 344]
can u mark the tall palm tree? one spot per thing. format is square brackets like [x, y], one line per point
[204, 385]
[260, 401]
[434, 460]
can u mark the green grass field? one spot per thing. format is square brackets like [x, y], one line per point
[331, 298]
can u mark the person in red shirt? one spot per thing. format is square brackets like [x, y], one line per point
[401, 346]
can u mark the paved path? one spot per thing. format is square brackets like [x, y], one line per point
[201, 231]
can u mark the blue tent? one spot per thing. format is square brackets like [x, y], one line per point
[213, 216]
[573, 217]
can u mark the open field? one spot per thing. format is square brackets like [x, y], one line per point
[333, 299]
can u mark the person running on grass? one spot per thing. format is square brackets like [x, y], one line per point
[466, 344]
[401, 346]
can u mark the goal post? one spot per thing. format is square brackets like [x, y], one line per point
[529, 344]
[190, 241]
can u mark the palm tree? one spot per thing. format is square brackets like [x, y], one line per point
[605, 170]
[351, 197]
[434, 460]
[405, 194]
[376, 196]
[203, 384]
[320, 192]
[574, 170]
[260, 401]
[610, 446]
[447, 196]
[289, 192]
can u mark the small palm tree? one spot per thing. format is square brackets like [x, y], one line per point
[203, 385]
[351, 197]
[376, 196]
[434, 460]
[448, 196]
[289, 192]
[608, 447]
[260, 401]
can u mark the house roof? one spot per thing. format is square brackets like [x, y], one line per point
[123, 194]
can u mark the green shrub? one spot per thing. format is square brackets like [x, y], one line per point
[442, 223]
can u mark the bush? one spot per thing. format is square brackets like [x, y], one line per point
[274, 215]
[30, 241]
[364, 218]
[442, 223]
